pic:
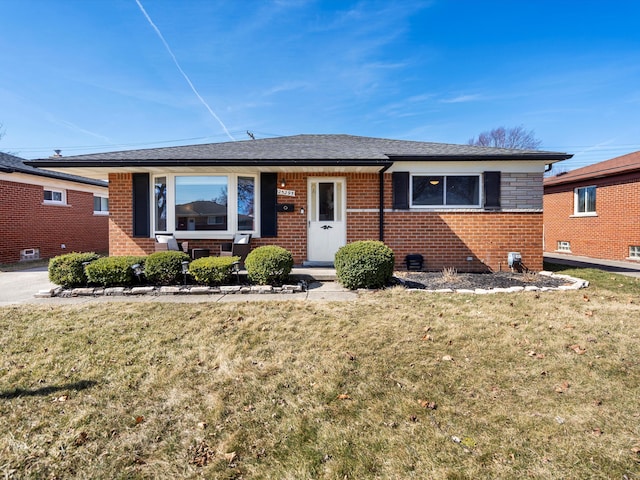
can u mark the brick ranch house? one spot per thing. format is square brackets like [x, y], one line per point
[44, 213]
[594, 211]
[459, 206]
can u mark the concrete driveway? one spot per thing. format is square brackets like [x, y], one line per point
[21, 286]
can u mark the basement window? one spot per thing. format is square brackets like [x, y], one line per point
[634, 252]
[54, 197]
[564, 246]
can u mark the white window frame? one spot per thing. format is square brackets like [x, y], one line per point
[445, 176]
[563, 246]
[232, 206]
[63, 196]
[634, 252]
[100, 212]
[576, 201]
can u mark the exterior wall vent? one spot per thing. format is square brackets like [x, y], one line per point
[29, 254]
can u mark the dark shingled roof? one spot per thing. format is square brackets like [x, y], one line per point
[616, 166]
[298, 150]
[12, 164]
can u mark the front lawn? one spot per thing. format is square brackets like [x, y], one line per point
[393, 385]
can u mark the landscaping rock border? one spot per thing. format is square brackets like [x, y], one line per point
[569, 283]
[170, 290]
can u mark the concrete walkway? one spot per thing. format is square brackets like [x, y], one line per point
[630, 269]
[21, 286]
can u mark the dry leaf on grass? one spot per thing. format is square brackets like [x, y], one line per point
[202, 455]
[344, 396]
[563, 388]
[578, 349]
[428, 404]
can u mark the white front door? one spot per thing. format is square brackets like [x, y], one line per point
[327, 222]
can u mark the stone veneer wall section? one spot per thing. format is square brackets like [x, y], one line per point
[521, 191]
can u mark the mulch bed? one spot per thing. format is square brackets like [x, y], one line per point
[471, 281]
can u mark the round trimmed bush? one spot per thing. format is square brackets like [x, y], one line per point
[212, 270]
[268, 265]
[113, 271]
[364, 264]
[165, 268]
[68, 270]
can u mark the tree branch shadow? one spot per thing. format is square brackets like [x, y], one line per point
[44, 391]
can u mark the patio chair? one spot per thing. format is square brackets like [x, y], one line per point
[240, 247]
[168, 242]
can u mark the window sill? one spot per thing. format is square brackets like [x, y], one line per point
[581, 215]
[206, 235]
[101, 214]
[563, 251]
[55, 204]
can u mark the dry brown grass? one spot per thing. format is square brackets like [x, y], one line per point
[394, 385]
[449, 274]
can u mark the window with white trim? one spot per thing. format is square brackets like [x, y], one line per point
[204, 203]
[100, 205]
[445, 190]
[634, 252]
[54, 196]
[585, 200]
[564, 246]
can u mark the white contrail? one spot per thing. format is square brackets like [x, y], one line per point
[175, 60]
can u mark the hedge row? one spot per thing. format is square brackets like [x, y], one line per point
[364, 264]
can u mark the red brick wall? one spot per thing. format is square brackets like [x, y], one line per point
[121, 241]
[444, 239]
[28, 223]
[607, 235]
[448, 239]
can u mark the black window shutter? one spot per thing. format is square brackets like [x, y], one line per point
[268, 200]
[400, 190]
[492, 190]
[141, 207]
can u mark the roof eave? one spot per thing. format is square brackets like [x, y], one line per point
[543, 157]
[210, 163]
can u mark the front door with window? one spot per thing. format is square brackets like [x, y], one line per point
[327, 230]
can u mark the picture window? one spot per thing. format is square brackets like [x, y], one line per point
[445, 190]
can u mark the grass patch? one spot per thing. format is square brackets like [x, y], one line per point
[394, 385]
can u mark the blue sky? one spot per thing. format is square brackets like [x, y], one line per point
[94, 75]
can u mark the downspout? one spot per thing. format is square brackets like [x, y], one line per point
[381, 211]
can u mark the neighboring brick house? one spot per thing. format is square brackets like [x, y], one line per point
[459, 206]
[594, 211]
[44, 214]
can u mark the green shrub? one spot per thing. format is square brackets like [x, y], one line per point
[113, 271]
[165, 268]
[364, 264]
[268, 265]
[68, 270]
[212, 270]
